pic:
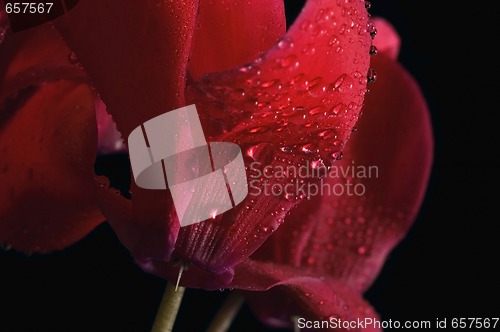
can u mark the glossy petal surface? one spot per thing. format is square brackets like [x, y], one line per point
[348, 237]
[231, 33]
[294, 106]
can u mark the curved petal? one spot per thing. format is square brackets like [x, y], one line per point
[298, 123]
[387, 40]
[349, 236]
[46, 169]
[139, 71]
[34, 57]
[109, 139]
[41, 175]
[290, 294]
[232, 33]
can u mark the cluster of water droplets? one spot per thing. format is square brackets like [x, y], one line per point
[278, 97]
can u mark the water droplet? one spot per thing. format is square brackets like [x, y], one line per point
[289, 196]
[362, 250]
[311, 260]
[269, 83]
[312, 83]
[316, 110]
[256, 130]
[368, 4]
[285, 43]
[339, 81]
[337, 155]
[306, 25]
[299, 109]
[72, 58]
[334, 41]
[245, 69]
[320, 15]
[373, 50]
[372, 30]
[342, 29]
[327, 134]
[309, 49]
[3, 32]
[308, 148]
[339, 108]
[371, 76]
[286, 149]
[296, 79]
[102, 181]
[318, 164]
[289, 61]
[338, 143]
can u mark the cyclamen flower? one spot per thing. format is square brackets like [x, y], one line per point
[289, 99]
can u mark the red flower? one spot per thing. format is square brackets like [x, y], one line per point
[291, 104]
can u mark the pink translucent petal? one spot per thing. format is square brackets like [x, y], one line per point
[290, 293]
[232, 33]
[387, 40]
[349, 237]
[109, 139]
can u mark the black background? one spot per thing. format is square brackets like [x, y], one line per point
[447, 266]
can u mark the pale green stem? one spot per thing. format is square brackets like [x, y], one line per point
[226, 314]
[169, 306]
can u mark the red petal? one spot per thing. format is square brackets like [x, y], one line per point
[387, 40]
[232, 33]
[288, 128]
[48, 150]
[349, 237]
[136, 54]
[34, 57]
[290, 294]
[109, 139]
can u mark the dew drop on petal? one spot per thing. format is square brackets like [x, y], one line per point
[3, 32]
[102, 181]
[316, 110]
[327, 134]
[256, 130]
[372, 30]
[290, 61]
[72, 58]
[373, 50]
[371, 76]
[285, 43]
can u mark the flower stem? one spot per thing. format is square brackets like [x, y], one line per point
[226, 313]
[169, 306]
